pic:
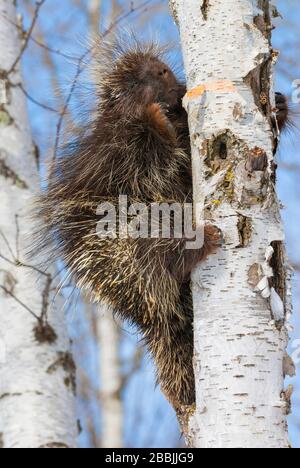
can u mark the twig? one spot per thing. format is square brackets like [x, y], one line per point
[7, 244]
[53, 51]
[39, 4]
[67, 102]
[17, 235]
[9, 293]
[136, 365]
[16, 262]
[41, 44]
[40, 104]
[80, 69]
[289, 167]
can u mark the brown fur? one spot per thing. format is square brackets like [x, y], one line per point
[138, 145]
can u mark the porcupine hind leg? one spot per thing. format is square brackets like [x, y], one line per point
[171, 345]
[169, 332]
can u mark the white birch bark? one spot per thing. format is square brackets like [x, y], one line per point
[36, 368]
[111, 380]
[95, 7]
[108, 332]
[240, 318]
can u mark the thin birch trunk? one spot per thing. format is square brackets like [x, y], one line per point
[37, 378]
[242, 294]
[95, 7]
[108, 332]
[111, 380]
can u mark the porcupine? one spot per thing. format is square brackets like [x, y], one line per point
[136, 145]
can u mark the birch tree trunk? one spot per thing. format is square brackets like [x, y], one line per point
[107, 329]
[241, 295]
[111, 380]
[95, 7]
[37, 372]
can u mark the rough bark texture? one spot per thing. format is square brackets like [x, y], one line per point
[37, 378]
[241, 295]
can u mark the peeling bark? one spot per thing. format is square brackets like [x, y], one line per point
[242, 294]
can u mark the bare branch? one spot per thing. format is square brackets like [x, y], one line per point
[81, 66]
[39, 4]
[40, 104]
[9, 293]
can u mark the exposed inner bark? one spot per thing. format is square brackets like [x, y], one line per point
[277, 262]
[257, 160]
[245, 230]
[218, 151]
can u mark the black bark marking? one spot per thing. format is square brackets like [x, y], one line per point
[66, 361]
[54, 445]
[204, 9]
[44, 333]
[8, 173]
[19, 394]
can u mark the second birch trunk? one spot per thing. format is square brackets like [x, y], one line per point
[37, 372]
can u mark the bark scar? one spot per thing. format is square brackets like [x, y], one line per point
[245, 230]
[257, 160]
[204, 9]
[277, 263]
[224, 86]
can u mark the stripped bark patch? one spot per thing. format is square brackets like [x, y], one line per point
[255, 275]
[219, 86]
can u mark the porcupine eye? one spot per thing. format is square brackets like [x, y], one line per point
[163, 72]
